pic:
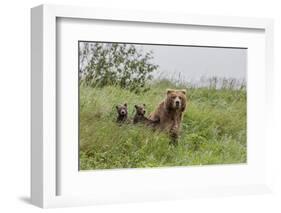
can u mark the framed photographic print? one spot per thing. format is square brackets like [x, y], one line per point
[129, 106]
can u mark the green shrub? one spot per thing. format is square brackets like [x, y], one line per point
[116, 64]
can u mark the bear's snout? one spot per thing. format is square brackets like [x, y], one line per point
[123, 112]
[177, 102]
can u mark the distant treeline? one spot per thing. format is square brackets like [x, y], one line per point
[210, 83]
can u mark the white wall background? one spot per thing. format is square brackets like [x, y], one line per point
[15, 104]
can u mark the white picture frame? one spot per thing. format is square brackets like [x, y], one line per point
[45, 168]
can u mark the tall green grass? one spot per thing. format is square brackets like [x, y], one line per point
[213, 129]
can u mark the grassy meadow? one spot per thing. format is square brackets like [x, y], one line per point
[213, 129]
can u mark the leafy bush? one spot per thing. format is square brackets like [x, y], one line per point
[116, 64]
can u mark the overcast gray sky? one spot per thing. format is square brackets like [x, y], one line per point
[196, 62]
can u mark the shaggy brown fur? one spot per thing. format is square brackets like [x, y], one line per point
[140, 114]
[122, 113]
[168, 115]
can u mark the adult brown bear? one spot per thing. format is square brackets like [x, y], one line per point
[169, 113]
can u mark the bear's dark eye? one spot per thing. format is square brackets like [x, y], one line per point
[180, 97]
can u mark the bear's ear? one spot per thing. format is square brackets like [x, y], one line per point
[125, 104]
[169, 91]
[117, 107]
[136, 106]
[144, 105]
[183, 91]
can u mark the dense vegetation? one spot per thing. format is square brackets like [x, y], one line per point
[122, 65]
[213, 128]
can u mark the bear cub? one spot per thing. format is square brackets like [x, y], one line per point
[122, 113]
[140, 114]
[141, 118]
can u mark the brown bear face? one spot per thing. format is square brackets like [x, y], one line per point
[176, 99]
[140, 109]
[122, 110]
